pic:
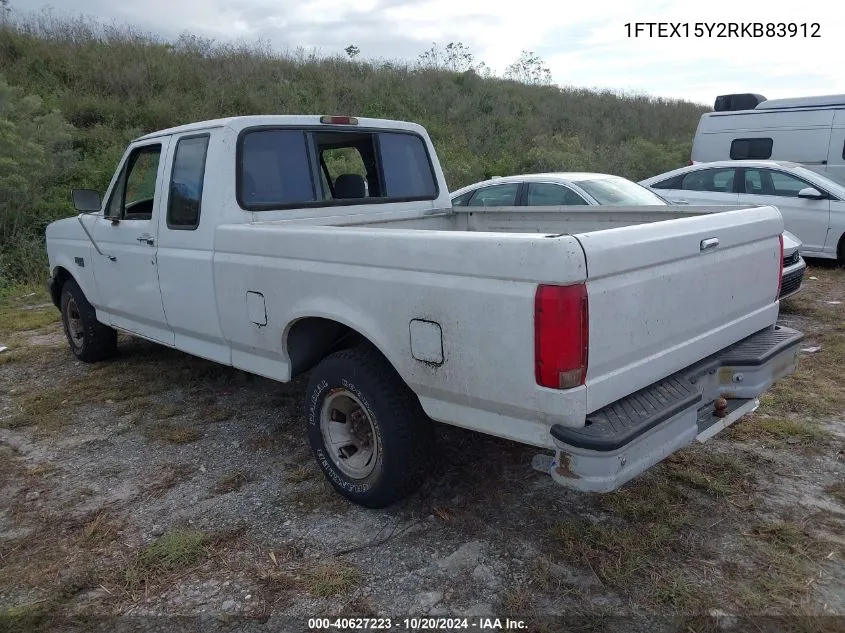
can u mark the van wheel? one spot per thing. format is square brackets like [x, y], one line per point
[90, 341]
[366, 428]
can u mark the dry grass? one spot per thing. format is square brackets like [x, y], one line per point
[517, 600]
[331, 579]
[172, 552]
[298, 474]
[25, 308]
[164, 479]
[837, 491]
[778, 432]
[816, 388]
[232, 482]
[172, 433]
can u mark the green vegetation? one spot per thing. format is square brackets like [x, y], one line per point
[74, 92]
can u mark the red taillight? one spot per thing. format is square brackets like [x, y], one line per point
[561, 336]
[780, 275]
[339, 120]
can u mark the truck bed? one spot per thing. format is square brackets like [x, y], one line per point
[658, 300]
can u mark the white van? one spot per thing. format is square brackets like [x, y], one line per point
[805, 130]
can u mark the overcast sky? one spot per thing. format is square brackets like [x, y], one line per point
[584, 43]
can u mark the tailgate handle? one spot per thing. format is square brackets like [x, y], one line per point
[709, 243]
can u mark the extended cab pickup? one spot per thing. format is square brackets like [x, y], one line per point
[279, 245]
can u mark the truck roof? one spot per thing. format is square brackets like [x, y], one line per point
[239, 123]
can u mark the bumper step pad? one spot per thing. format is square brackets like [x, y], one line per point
[619, 423]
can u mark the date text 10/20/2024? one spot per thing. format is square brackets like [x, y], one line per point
[723, 29]
[417, 624]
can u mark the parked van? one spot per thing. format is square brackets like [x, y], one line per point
[805, 130]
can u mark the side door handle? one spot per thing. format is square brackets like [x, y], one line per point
[709, 243]
[146, 238]
[680, 201]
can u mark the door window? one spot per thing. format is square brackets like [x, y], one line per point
[542, 194]
[713, 180]
[134, 192]
[495, 196]
[765, 182]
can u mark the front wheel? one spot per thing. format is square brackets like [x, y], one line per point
[366, 428]
[90, 341]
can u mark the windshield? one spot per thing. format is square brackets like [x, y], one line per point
[618, 191]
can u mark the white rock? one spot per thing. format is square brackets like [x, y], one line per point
[428, 599]
[484, 575]
[464, 557]
[229, 606]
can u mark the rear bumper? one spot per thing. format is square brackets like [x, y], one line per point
[629, 436]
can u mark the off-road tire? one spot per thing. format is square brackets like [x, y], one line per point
[95, 341]
[405, 433]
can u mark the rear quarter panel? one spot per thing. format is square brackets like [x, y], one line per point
[479, 287]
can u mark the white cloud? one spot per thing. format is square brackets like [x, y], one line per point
[584, 44]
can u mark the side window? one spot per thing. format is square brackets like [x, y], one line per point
[495, 196]
[773, 183]
[754, 182]
[406, 166]
[714, 180]
[670, 183]
[786, 185]
[541, 194]
[751, 148]
[133, 195]
[461, 200]
[273, 169]
[186, 180]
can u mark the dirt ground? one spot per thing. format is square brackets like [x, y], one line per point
[162, 492]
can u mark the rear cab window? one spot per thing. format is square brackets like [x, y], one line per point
[287, 168]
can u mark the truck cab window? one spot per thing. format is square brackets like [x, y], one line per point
[273, 169]
[186, 180]
[344, 174]
[134, 192]
[285, 168]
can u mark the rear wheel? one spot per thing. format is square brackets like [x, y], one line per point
[90, 341]
[366, 428]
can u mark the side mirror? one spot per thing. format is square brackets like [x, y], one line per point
[812, 193]
[86, 200]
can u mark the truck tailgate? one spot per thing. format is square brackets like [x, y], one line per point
[665, 295]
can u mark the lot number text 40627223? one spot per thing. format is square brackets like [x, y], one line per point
[723, 29]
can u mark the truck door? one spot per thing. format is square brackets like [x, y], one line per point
[127, 280]
[190, 213]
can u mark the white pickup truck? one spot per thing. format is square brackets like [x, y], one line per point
[610, 338]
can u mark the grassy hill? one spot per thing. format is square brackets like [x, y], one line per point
[73, 92]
